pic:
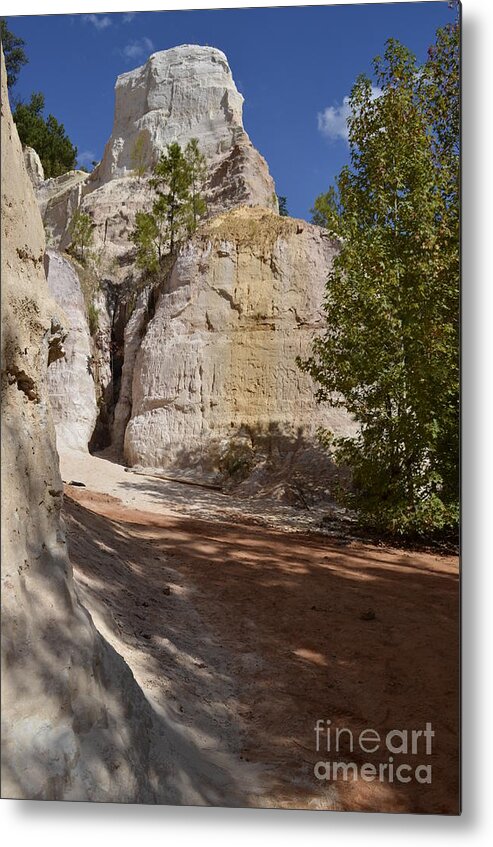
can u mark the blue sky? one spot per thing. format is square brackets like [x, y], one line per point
[294, 67]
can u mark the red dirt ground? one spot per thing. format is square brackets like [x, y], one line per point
[361, 635]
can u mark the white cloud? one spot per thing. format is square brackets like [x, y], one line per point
[128, 16]
[86, 158]
[99, 21]
[332, 122]
[138, 49]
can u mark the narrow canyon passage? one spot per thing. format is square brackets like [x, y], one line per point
[246, 636]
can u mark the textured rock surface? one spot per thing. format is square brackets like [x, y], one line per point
[33, 166]
[71, 385]
[219, 355]
[58, 199]
[75, 725]
[177, 95]
[183, 93]
[112, 208]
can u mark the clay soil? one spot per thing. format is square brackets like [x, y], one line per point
[248, 635]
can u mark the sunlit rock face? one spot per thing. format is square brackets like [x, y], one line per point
[71, 386]
[34, 167]
[220, 354]
[58, 199]
[183, 93]
[178, 94]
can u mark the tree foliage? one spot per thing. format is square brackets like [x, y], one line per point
[197, 171]
[177, 180]
[172, 181]
[283, 206]
[47, 136]
[147, 237]
[13, 51]
[82, 233]
[390, 352]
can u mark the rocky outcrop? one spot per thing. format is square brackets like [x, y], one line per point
[183, 93]
[242, 303]
[71, 385]
[219, 356]
[75, 725]
[112, 208]
[34, 167]
[59, 198]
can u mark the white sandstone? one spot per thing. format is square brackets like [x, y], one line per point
[219, 356]
[71, 387]
[75, 725]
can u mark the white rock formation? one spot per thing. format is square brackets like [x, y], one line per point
[244, 300]
[183, 93]
[71, 386]
[178, 94]
[33, 166]
[58, 199]
[75, 725]
[112, 208]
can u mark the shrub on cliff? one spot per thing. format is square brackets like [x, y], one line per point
[82, 233]
[138, 155]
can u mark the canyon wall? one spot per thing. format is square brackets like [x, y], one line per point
[70, 383]
[208, 349]
[75, 725]
[219, 356]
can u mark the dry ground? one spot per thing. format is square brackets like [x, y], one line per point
[248, 635]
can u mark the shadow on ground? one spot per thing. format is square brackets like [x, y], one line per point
[249, 636]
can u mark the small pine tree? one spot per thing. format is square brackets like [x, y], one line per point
[177, 180]
[82, 233]
[172, 182]
[283, 206]
[145, 236]
[197, 175]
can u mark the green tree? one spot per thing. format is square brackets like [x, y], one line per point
[283, 206]
[13, 51]
[390, 350]
[178, 204]
[323, 208]
[172, 182]
[47, 136]
[197, 175]
[147, 236]
[82, 233]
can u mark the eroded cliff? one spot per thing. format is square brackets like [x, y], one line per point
[219, 356]
[75, 725]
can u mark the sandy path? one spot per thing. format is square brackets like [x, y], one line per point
[248, 637]
[175, 498]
